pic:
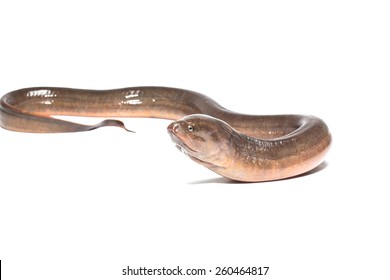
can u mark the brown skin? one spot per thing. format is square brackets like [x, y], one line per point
[237, 146]
[214, 144]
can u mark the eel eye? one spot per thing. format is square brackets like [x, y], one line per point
[190, 128]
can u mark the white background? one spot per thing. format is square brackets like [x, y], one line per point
[86, 205]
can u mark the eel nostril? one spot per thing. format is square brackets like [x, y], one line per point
[173, 127]
[176, 127]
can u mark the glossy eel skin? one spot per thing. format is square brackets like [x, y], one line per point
[249, 148]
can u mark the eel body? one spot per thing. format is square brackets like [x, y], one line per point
[241, 147]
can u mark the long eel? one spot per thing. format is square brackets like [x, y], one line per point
[249, 148]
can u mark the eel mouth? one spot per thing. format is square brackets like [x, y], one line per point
[181, 145]
[173, 130]
[189, 152]
[185, 149]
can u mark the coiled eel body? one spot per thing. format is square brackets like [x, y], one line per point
[241, 147]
